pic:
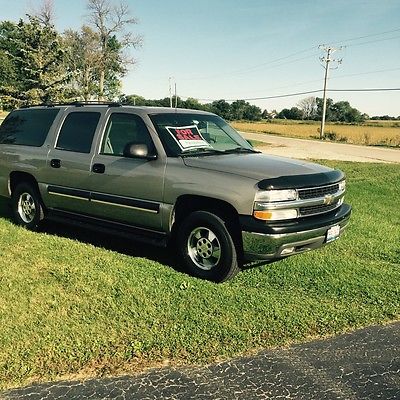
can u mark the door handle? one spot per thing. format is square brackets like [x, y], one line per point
[99, 168]
[55, 163]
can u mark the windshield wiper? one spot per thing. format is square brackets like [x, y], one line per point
[200, 151]
[241, 150]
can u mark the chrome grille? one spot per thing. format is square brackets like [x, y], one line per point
[312, 193]
[321, 208]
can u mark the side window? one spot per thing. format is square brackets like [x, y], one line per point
[27, 127]
[123, 129]
[77, 132]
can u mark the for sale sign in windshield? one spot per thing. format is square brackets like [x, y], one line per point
[187, 137]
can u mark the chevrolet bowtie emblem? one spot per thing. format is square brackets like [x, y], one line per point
[328, 199]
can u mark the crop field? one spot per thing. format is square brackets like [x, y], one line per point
[374, 133]
[78, 304]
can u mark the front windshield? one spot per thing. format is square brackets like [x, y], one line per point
[197, 134]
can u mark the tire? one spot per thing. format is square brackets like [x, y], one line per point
[27, 206]
[206, 247]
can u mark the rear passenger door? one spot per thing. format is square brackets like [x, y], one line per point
[125, 189]
[69, 162]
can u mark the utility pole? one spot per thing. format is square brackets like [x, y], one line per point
[327, 60]
[170, 91]
[176, 98]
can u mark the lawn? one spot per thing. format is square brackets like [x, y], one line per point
[375, 133]
[78, 303]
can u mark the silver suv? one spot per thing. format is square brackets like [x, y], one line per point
[167, 175]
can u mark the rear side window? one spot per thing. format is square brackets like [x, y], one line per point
[77, 132]
[27, 127]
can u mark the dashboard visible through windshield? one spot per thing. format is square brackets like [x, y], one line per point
[197, 134]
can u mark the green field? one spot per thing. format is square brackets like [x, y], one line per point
[74, 303]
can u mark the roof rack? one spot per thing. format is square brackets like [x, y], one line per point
[77, 104]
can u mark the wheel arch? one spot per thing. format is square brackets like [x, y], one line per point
[186, 204]
[17, 177]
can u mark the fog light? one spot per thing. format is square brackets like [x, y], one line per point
[286, 251]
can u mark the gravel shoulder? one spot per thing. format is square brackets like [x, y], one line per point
[313, 149]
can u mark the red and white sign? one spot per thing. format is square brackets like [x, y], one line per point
[187, 137]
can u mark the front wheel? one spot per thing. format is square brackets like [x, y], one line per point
[27, 206]
[207, 248]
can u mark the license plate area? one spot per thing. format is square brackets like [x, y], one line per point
[332, 233]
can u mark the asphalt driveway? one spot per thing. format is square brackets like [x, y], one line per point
[361, 365]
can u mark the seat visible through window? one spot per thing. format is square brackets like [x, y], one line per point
[123, 129]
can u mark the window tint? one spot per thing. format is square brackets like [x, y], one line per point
[27, 127]
[123, 129]
[77, 131]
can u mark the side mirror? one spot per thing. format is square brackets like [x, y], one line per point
[138, 150]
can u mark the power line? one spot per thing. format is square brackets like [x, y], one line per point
[301, 93]
[366, 36]
[367, 90]
[373, 41]
[261, 65]
[278, 59]
[330, 78]
[258, 66]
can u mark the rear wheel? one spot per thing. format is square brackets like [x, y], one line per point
[27, 206]
[207, 248]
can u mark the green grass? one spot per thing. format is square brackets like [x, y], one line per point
[72, 307]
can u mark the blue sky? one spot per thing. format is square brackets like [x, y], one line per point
[244, 49]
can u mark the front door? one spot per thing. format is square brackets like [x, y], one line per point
[125, 189]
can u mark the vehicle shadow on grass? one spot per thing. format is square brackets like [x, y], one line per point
[129, 247]
[166, 256]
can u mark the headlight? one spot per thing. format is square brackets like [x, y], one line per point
[276, 195]
[342, 185]
[274, 215]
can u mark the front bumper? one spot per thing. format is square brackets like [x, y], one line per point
[271, 242]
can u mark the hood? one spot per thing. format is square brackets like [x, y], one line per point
[256, 166]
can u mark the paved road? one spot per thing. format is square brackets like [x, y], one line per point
[360, 365]
[302, 148]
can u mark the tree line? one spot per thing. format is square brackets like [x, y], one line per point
[309, 108]
[236, 110]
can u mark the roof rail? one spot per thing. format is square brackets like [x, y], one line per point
[77, 104]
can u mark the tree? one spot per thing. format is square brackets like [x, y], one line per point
[83, 60]
[343, 112]
[252, 113]
[44, 13]
[293, 113]
[110, 22]
[194, 104]
[318, 114]
[308, 106]
[133, 100]
[36, 69]
[222, 108]
[237, 109]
